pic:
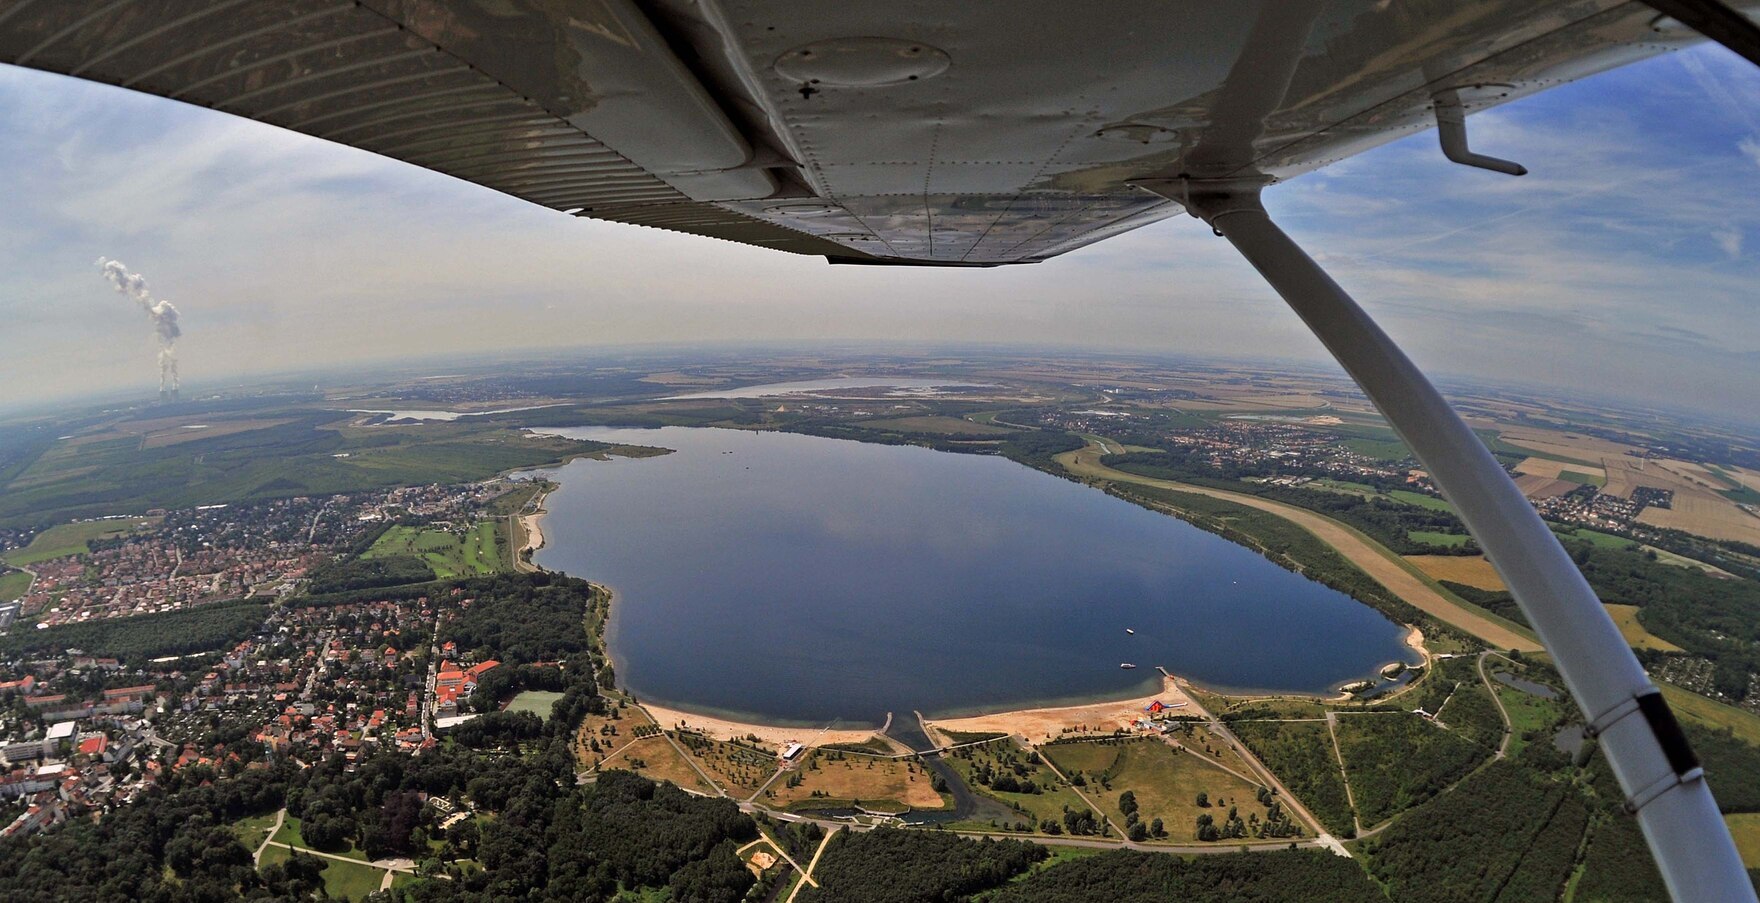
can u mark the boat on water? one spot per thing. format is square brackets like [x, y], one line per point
[1131, 630]
[1126, 665]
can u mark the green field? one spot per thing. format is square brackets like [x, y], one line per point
[70, 539]
[1595, 538]
[1431, 537]
[342, 880]
[1420, 499]
[538, 702]
[289, 834]
[13, 585]
[1582, 479]
[1003, 757]
[451, 553]
[348, 881]
[1528, 714]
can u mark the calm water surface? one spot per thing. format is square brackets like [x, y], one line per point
[801, 579]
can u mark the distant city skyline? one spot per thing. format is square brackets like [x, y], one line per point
[1620, 267]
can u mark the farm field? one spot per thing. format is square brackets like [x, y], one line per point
[1626, 616]
[1472, 570]
[538, 702]
[70, 539]
[1745, 828]
[836, 778]
[1164, 781]
[1693, 707]
[451, 553]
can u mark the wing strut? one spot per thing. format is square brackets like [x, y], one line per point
[1662, 780]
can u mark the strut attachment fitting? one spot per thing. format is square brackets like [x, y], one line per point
[1451, 126]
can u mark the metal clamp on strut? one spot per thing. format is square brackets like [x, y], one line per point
[1683, 763]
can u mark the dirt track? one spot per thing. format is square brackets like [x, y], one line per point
[1359, 551]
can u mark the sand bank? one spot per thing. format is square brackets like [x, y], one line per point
[769, 735]
[1040, 725]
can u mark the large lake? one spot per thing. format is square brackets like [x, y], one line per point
[800, 579]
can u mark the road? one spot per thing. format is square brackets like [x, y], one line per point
[257, 857]
[1374, 559]
[1508, 727]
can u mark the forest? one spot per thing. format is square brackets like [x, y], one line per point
[890, 865]
[1286, 876]
[136, 639]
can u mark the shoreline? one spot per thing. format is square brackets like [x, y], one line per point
[532, 533]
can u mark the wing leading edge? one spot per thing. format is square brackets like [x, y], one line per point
[917, 132]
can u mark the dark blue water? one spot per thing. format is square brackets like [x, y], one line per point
[803, 580]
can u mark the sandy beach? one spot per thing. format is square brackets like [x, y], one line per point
[768, 735]
[1039, 725]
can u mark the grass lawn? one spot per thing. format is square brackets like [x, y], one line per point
[1431, 537]
[13, 585]
[1001, 757]
[289, 834]
[1596, 538]
[738, 769]
[1165, 781]
[252, 829]
[537, 702]
[274, 856]
[1745, 828]
[70, 539]
[1527, 712]
[834, 778]
[349, 881]
[450, 553]
[655, 759]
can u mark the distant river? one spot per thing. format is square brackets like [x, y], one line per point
[800, 579]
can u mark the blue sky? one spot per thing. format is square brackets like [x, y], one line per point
[1626, 264]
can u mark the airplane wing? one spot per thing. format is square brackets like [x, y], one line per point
[917, 132]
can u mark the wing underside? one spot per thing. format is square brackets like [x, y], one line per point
[968, 134]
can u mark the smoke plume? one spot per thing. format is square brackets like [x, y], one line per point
[163, 315]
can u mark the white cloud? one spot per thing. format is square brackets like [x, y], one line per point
[1730, 240]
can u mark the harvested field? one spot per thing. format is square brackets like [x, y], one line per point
[1626, 616]
[1537, 487]
[1554, 470]
[1706, 515]
[1472, 570]
[1563, 446]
